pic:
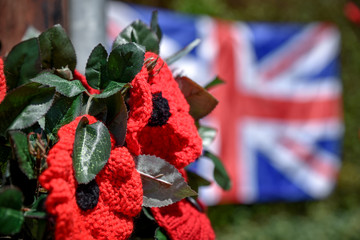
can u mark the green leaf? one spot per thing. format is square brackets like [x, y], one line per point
[95, 67]
[11, 198]
[138, 32]
[19, 143]
[36, 228]
[98, 108]
[159, 235]
[63, 86]
[91, 150]
[116, 119]
[22, 63]
[111, 89]
[148, 214]
[24, 106]
[207, 135]
[56, 49]
[220, 174]
[214, 83]
[201, 101]
[195, 181]
[162, 182]
[63, 111]
[154, 25]
[183, 52]
[10, 221]
[125, 61]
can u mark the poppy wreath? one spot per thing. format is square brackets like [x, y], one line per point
[104, 155]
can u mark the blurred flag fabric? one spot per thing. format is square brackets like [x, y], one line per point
[279, 118]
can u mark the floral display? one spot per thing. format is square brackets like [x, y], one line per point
[105, 154]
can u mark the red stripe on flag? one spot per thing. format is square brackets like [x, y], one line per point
[225, 67]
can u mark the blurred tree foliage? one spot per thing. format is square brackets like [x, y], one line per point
[337, 217]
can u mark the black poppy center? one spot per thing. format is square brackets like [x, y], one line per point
[161, 110]
[87, 195]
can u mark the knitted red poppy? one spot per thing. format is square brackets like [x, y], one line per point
[167, 131]
[101, 209]
[2, 81]
[182, 220]
[82, 78]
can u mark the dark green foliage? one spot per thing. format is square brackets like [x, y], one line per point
[56, 49]
[22, 63]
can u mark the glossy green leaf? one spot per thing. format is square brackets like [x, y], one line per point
[138, 32]
[207, 135]
[213, 83]
[98, 108]
[148, 214]
[26, 162]
[201, 101]
[195, 181]
[96, 67]
[63, 111]
[24, 106]
[91, 150]
[22, 63]
[125, 61]
[111, 89]
[154, 25]
[162, 182]
[11, 198]
[63, 86]
[159, 235]
[220, 174]
[10, 221]
[116, 119]
[183, 52]
[56, 49]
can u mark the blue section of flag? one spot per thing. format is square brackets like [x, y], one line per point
[272, 185]
[331, 145]
[267, 37]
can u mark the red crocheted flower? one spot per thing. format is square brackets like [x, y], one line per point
[2, 81]
[182, 220]
[101, 209]
[82, 78]
[159, 121]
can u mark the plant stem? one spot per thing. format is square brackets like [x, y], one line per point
[88, 104]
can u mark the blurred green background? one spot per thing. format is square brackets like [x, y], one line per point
[337, 217]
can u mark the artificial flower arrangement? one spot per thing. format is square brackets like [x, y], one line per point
[105, 155]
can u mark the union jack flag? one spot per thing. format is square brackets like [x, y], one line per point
[279, 119]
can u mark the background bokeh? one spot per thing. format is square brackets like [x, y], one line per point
[337, 217]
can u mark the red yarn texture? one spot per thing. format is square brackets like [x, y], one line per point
[2, 81]
[182, 221]
[82, 78]
[178, 141]
[140, 103]
[120, 196]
